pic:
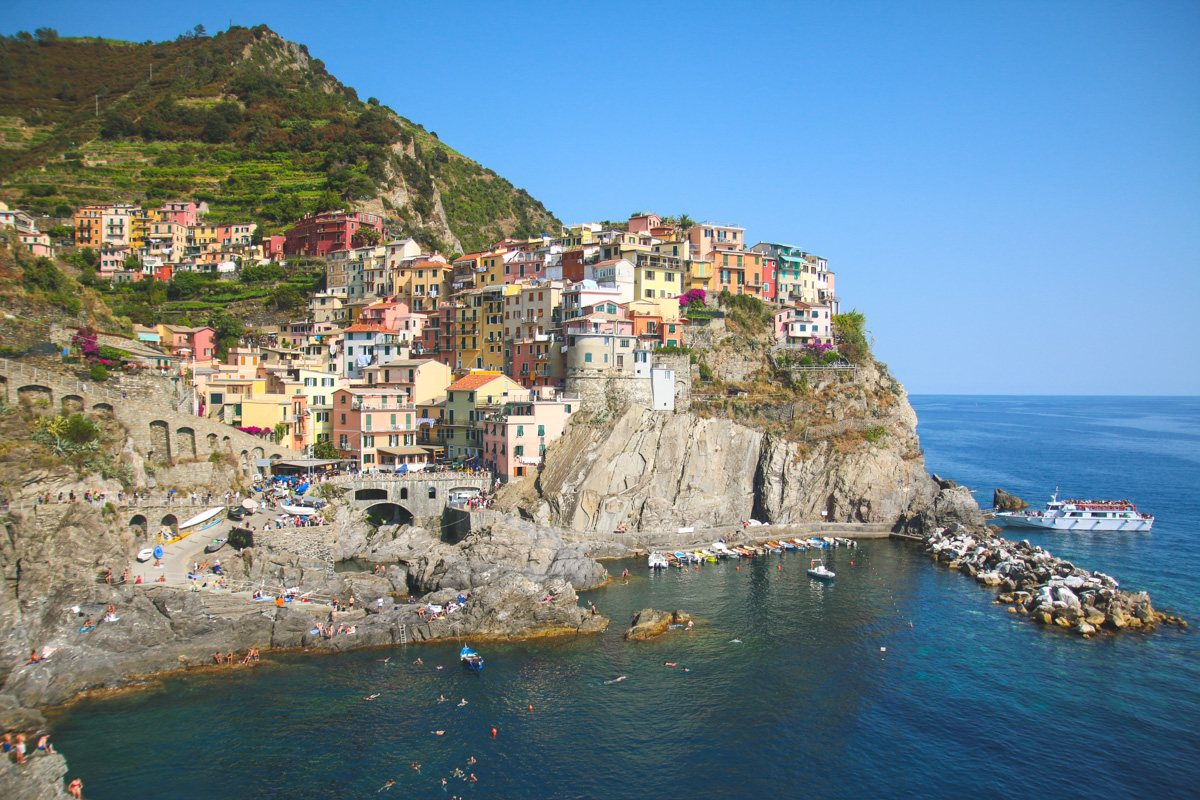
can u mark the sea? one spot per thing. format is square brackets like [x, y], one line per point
[897, 679]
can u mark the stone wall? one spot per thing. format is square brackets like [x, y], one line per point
[612, 392]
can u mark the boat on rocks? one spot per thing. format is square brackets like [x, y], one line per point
[657, 560]
[817, 569]
[1082, 516]
[470, 659]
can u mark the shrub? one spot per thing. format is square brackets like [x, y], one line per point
[873, 435]
[98, 373]
[81, 430]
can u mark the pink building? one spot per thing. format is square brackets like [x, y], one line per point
[515, 439]
[320, 234]
[376, 427]
[185, 342]
[538, 362]
[396, 316]
[179, 213]
[644, 223]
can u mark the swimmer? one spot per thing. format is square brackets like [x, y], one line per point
[371, 697]
[615, 680]
[463, 703]
[735, 641]
[473, 778]
[668, 663]
[443, 783]
[416, 768]
[387, 785]
[685, 669]
[471, 760]
[418, 661]
[384, 661]
[439, 667]
[438, 733]
[442, 699]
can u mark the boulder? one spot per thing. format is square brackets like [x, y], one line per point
[650, 622]
[1003, 501]
[956, 505]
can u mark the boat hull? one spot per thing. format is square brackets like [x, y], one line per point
[1075, 525]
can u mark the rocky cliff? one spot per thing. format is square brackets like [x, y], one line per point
[858, 461]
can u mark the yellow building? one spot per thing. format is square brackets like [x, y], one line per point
[491, 329]
[267, 410]
[425, 379]
[468, 333]
[657, 276]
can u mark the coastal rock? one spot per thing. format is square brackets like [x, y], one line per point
[39, 778]
[650, 622]
[955, 504]
[1003, 501]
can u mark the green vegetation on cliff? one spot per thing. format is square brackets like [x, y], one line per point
[242, 120]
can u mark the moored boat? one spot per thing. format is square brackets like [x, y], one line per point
[215, 545]
[657, 560]
[202, 517]
[1081, 516]
[817, 569]
[471, 659]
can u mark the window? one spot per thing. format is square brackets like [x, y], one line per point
[649, 274]
[587, 357]
[433, 493]
[624, 343]
[541, 430]
[343, 403]
[519, 450]
[368, 441]
[343, 418]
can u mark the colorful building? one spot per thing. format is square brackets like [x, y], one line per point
[515, 436]
[317, 235]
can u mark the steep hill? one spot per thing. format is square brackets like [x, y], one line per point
[243, 120]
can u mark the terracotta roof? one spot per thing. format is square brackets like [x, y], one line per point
[473, 382]
[360, 328]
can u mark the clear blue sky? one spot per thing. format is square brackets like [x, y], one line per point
[1009, 191]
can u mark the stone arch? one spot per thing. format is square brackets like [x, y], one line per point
[244, 458]
[212, 441]
[257, 453]
[170, 521]
[72, 404]
[4, 388]
[276, 457]
[185, 442]
[103, 409]
[30, 394]
[226, 443]
[139, 521]
[371, 494]
[389, 514]
[160, 440]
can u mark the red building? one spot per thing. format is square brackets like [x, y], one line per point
[163, 272]
[320, 234]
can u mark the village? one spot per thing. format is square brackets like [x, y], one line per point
[408, 359]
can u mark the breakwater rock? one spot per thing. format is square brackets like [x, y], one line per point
[1003, 501]
[650, 622]
[1049, 590]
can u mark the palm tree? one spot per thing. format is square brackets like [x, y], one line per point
[686, 223]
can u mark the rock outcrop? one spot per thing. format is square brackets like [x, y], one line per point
[1003, 501]
[650, 622]
[654, 471]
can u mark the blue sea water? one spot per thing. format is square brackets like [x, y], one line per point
[965, 699]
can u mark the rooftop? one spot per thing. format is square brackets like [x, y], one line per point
[473, 381]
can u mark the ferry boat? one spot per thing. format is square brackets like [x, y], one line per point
[1081, 515]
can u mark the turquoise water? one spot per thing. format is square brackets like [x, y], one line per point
[965, 699]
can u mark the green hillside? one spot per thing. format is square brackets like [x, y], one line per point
[242, 120]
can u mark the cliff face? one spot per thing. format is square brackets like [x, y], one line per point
[652, 470]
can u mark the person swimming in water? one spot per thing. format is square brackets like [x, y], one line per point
[615, 680]
[387, 785]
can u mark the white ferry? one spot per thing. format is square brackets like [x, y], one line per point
[1081, 515]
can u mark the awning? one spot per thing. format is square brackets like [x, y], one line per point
[403, 451]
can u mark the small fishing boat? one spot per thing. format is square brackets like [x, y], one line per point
[145, 555]
[657, 560]
[817, 569]
[786, 545]
[682, 557]
[471, 659]
[708, 555]
[250, 505]
[236, 513]
[299, 511]
[201, 518]
[215, 545]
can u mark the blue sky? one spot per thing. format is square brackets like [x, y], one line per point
[1009, 191]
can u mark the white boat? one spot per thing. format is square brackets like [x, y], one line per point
[817, 569]
[1081, 516]
[657, 560]
[145, 555]
[249, 505]
[299, 511]
[201, 518]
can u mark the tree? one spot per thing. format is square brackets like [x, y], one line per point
[98, 373]
[685, 222]
[79, 429]
[185, 285]
[131, 262]
[850, 333]
[46, 35]
[368, 236]
[324, 449]
[286, 298]
[216, 128]
[199, 32]
[280, 431]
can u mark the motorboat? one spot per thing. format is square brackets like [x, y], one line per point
[201, 518]
[215, 545]
[299, 511]
[786, 545]
[471, 659]
[236, 513]
[1082, 516]
[817, 569]
[657, 560]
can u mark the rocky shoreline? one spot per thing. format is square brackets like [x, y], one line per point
[1048, 590]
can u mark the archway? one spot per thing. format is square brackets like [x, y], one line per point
[30, 395]
[72, 404]
[389, 514]
[212, 441]
[370, 494]
[170, 521]
[103, 409]
[257, 453]
[4, 388]
[141, 523]
[185, 442]
[160, 441]
[245, 459]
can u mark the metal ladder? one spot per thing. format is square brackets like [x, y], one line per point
[403, 635]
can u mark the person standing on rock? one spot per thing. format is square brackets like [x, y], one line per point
[75, 788]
